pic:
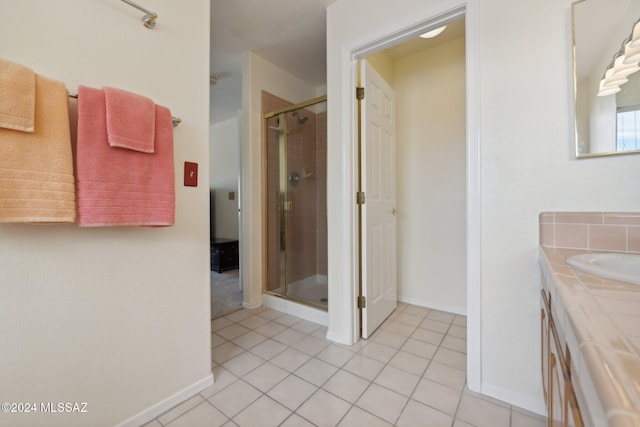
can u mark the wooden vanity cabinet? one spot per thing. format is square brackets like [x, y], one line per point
[556, 374]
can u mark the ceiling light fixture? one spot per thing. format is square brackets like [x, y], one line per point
[433, 33]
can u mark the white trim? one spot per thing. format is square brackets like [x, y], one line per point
[251, 306]
[536, 406]
[343, 264]
[432, 305]
[291, 307]
[409, 32]
[168, 403]
[474, 224]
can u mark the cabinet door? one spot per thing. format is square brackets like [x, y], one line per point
[572, 416]
[544, 351]
[556, 389]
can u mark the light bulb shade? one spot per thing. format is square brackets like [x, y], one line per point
[635, 37]
[622, 69]
[607, 90]
[631, 54]
[612, 80]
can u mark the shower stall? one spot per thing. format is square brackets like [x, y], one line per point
[295, 202]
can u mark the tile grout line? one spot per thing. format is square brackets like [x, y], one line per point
[305, 333]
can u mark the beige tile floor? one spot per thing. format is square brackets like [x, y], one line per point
[274, 369]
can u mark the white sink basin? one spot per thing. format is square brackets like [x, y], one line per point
[624, 267]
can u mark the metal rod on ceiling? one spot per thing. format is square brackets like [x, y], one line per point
[148, 20]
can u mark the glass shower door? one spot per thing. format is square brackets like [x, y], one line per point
[296, 204]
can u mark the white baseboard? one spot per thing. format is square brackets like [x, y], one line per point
[168, 403]
[290, 307]
[536, 406]
[251, 306]
[430, 304]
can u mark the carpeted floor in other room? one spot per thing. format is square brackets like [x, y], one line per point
[226, 295]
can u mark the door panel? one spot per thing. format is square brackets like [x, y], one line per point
[378, 213]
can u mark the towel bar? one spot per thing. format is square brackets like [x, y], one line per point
[176, 120]
[148, 20]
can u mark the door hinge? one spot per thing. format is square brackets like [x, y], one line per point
[359, 93]
[362, 302]
[360, 199]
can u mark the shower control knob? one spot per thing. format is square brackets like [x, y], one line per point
[394, 211]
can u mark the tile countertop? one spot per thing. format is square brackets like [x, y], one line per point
[599, 319]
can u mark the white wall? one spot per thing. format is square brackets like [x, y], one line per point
[523, 78]
[258, 75]
[431, 177]
[225, 169]
[115, 317]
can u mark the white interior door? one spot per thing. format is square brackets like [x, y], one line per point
[379, 272]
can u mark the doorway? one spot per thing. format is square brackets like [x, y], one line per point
[226, 288]
[372, 35]
[426, 79]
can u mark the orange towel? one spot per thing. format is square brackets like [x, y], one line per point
[17, 96]
[36, 169]
[117, 186]
[130, 120]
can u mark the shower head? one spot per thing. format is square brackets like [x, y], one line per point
[301, 119]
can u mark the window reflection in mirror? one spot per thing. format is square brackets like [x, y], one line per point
[628, 115]
[604, 124]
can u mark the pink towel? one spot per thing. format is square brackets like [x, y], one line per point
[130, 120]
[117, 186]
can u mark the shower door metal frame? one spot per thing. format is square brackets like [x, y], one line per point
[283, 201]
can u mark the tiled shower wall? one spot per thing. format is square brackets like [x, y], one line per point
[595, 231]
[306, 233]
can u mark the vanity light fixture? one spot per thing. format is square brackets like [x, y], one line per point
[610, 84]
[607, 90]
[631, 54]
[622, 69]
[635, 35]
[433, 33]
[611, 79]
[624, 63]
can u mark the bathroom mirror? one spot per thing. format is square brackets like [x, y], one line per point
[610, 124]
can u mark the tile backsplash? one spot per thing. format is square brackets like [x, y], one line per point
[595, 231]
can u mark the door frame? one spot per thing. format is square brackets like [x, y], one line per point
[469, 10]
